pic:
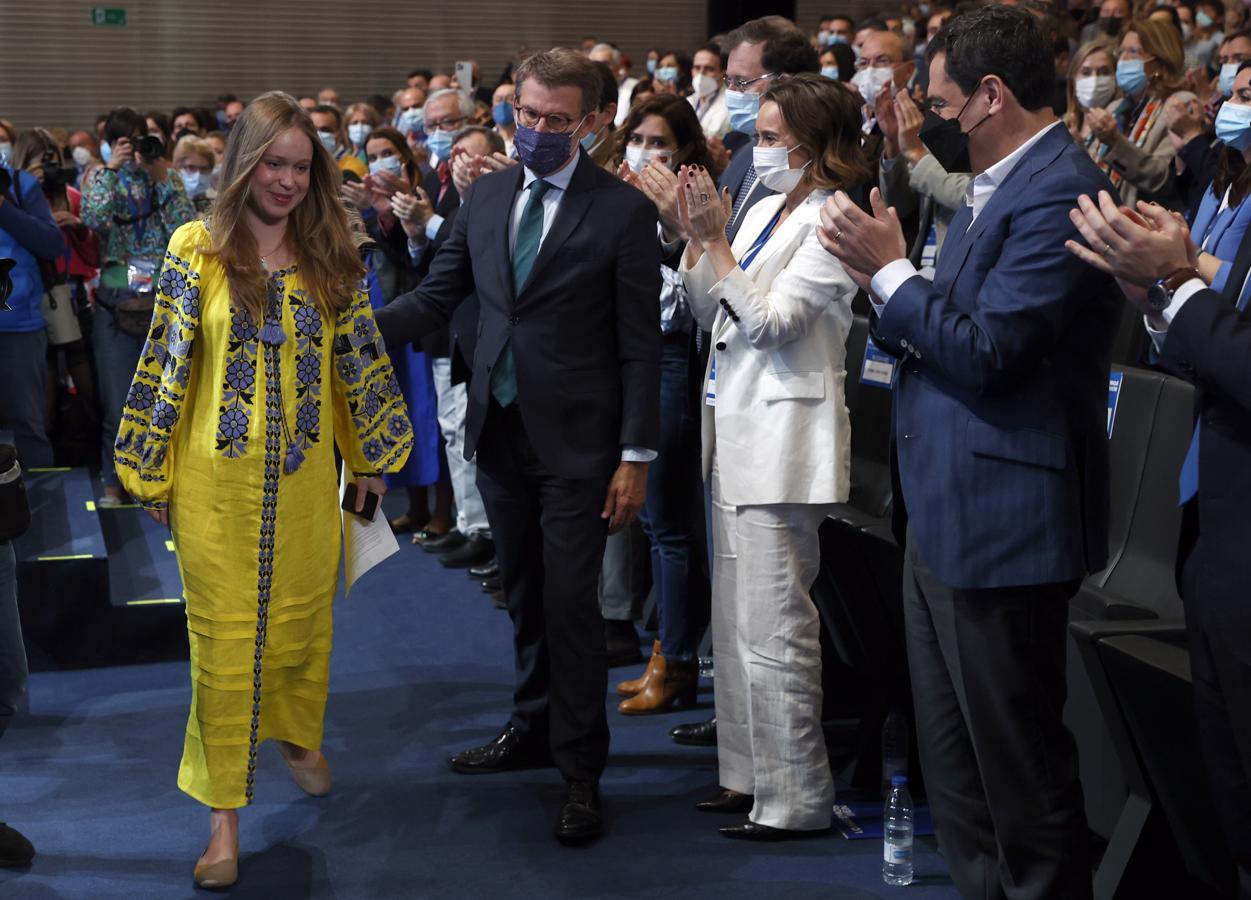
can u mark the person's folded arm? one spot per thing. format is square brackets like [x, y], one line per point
[947, 189]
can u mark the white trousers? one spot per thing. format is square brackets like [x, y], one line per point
[767, 650]
[453, 401]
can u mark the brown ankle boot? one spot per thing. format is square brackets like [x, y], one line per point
[635, 685]
[672, 686]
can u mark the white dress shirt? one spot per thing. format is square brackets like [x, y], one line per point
[558, 184]
[977, 195]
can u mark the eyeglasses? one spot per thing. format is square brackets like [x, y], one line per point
[742, 84]
[877, 62]
[447, 123]
[530, 118]
[1134, 53]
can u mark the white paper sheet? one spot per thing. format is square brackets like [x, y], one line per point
[365, 544]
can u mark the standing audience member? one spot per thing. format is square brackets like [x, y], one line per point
[194, 161]
[779, 309]
[560, 457]
[28, 235]
[329, 124]
[611, 56]
[134, 205]
[708, 96]
[1136, 152]
[673, 74]
[362, 119]
[1092, 85]
[234, 443]
[1000, 439]
[502, 115]
[1113, 16]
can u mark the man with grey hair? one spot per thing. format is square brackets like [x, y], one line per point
[611, 56]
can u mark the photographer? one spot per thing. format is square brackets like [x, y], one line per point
[134, 205]
[28, 234]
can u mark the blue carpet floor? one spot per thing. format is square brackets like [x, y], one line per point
[422, 667]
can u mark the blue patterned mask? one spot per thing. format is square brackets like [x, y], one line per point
[543, 152]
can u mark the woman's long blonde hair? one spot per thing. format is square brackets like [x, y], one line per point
[317, 229]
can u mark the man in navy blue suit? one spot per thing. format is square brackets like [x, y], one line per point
[1203, 336]
[1000, 450]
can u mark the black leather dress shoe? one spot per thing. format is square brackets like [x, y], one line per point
[15, 850]
[473, 552]
[750, 831]
[444, 543]
[491, 585]
[581, 818]
[727, 802]
[510, 750]
[489, 569]
[696, 734]
[497, 597]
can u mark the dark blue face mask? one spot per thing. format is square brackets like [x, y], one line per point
[543, 152]
[502, 113]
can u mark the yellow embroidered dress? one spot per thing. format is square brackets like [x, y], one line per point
[234, 427]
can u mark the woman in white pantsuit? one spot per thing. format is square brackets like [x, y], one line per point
[776, 447]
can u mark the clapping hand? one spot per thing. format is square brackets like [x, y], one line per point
[414, 211]
[660, 185]
[1103, 125]
[357, 194]
[702, 211]
[909, 117]
[863, 243]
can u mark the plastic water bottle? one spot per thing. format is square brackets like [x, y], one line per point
[897, 834]
[894, 748]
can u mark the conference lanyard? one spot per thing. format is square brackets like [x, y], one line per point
[755, 248]
[138, 217]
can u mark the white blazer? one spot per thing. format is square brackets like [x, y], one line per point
[780, 425]
[715, 120]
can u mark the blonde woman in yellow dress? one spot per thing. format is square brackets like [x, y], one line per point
[262, 356]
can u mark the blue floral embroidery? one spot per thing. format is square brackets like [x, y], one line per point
[307, 320]
[373, 403]
[308, 349]
[238, 392]
[233, 424]
[349, 369]
[242, 328]
[141, 396]
[241, 374]
[363, 329]
[306, 416]
[164, 415]
[398, 425]
[172, 282]
[373, 451]
[191, 303]
[308, 369]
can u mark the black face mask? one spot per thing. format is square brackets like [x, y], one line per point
[946, 141]
[1111, 26]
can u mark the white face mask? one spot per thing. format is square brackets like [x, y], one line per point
[1094, 90]
[705, 86]
[773, 168]
[390, 164]
[359, 132]
[869, 82]
[638, 158]
[82, 157]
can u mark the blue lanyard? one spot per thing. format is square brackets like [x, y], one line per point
[755, 248]
[1217, 227]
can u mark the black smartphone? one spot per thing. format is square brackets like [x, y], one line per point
[371, 502]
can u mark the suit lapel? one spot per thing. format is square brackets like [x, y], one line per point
[1238, 272]
[573, 207]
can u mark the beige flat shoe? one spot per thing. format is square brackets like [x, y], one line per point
[312, 780]
[221, 874]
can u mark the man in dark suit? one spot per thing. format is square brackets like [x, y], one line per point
[1000, 452]
[563, 407]
[1203, 336]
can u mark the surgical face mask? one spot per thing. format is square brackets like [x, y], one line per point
[82, 157]
[1229, 71]
[823, 38]
[329, 140]
[839, 39]
[1203, 20]
[1094, 90]
[389, 164]
[195, 183]
[502, 113]
[947, 141]
[1131, 75]
[359, 132]
[869, 82]
[588, 140]
[667, 73]
[705, 86]
[651, 67]
[1233, 126]
[543, 152]
[412, 120]
[106, 152]
[773, 168]
[830, 72]
[743, 107]
[440, 143]
[638, 158]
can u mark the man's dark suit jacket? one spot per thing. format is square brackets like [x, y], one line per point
[584, 328]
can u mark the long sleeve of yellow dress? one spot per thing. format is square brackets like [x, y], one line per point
[242, 453]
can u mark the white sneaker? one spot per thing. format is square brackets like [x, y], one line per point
[108, 501]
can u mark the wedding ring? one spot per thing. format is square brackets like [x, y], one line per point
[1107, 249]
[703, 198]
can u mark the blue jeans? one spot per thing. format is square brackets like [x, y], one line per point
[117, 358]
[673, 503]
[12, 651]
[23, 368]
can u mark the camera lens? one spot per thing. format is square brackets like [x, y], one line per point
[150, 147]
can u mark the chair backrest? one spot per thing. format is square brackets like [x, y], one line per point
[1137, 393]
[869, 406]
[1144, 573]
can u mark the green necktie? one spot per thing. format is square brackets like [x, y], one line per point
[525, 250]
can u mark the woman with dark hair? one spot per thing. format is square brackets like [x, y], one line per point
[776, 446]
[393, 169]
[1136, 152]
[673, 74]
[262, 358]
[134, 204]
[159, 127]
[661, 134]
[65, 278]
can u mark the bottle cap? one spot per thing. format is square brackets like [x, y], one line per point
[898, 779]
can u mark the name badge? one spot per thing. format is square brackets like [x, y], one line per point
[1114, 396]
[710, 394]
[878, 368]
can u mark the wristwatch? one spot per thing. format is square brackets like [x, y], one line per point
[1160, 294]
